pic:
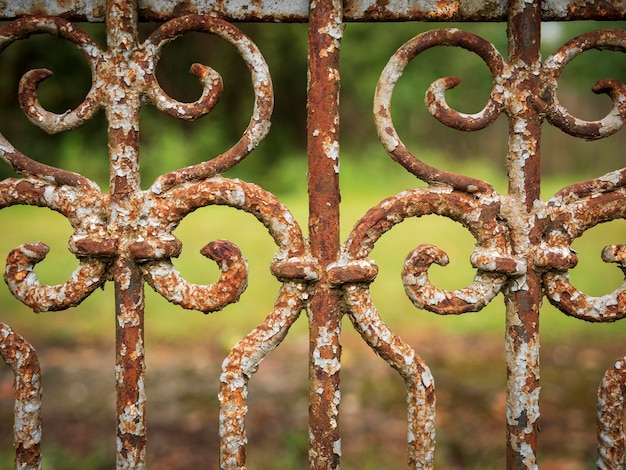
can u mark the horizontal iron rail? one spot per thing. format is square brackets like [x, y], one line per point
[298, 10]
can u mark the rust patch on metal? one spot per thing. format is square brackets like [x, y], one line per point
[18, 354]
[126, 235]
[324, 306]
[610, 407]
[296, 10]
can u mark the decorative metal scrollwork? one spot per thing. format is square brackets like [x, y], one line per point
[127, 234]
[523, 245]
[611, 40]
[518, 236]
[592, 202]
[114, 77]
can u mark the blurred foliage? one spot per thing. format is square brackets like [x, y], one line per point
[168, 144]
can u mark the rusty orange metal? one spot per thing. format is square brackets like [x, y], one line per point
[523, 244]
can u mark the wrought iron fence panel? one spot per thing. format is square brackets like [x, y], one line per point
[125, 236]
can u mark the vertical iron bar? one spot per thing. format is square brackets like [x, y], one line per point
[22, 358]
[524, 294]
[325, 31]
[123, 115]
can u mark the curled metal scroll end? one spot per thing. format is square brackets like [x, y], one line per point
[439, 108]
[212, 87]
[259, 124]
[616, 90]
[591, 130]
[615, 254]
[558, 115]
[424, 295]
[167, 281]
[571, 301]
[436, 103]
[25, 286]
[52, 123]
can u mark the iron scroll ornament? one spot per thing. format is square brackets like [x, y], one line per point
[474, 203]
[503, 225]
[126, 235]
[93, 241]
[123, 78]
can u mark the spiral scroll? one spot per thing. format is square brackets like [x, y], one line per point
[179, 201]
[583, 205]
[93, 241]
[259, 123]
[574, 219]
[475, 214]
[436, 103]
[612, 40]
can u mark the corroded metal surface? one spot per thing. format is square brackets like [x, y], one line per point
[242, 363]
[297, 10]
[22, 358]
[611, 436]
[126, 235]
[324, 307]
[523, 244]
[417, 377]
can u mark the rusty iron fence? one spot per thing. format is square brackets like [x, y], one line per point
[523, 245]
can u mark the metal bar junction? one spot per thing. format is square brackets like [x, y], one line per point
[523, 245]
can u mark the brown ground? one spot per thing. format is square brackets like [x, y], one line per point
[182, 406]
